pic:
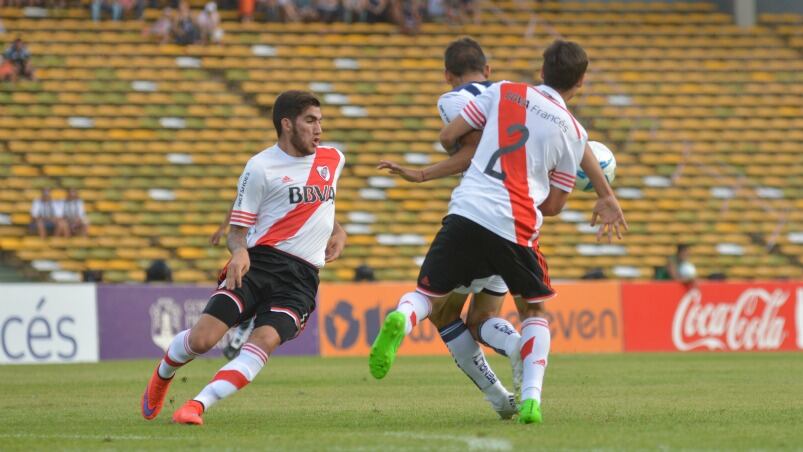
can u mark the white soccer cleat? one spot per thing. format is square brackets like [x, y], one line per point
[505, 407]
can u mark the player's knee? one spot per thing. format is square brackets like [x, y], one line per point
[533, 310]
[201, 343]
[266, 338]
[474, 322]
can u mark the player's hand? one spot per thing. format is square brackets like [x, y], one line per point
[238, 267]
[334, 248]
[610, 217]
[410, 175]
[215, 239]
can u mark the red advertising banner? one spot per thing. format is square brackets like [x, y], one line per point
[712, 316]
[584, 318]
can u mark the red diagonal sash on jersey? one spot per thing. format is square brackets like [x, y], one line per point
[288, 225]
[514, 164]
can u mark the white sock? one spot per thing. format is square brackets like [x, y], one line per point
[178, 354]
[535, 339]
[415, 308]
[234, 375]
[500, 335]
[471, 360]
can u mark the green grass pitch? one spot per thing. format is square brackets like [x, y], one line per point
[611, 402]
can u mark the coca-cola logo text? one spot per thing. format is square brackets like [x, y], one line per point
[749, 323]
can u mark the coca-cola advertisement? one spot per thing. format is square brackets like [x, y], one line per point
[758, 316]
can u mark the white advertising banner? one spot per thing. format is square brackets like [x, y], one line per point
[48, 323]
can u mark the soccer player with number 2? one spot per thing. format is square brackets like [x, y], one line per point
[525, 162]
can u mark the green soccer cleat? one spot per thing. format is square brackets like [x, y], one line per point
[530, 412]
[383, 352]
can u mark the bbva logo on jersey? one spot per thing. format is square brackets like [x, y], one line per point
[311, 193]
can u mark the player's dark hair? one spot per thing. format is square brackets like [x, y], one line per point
[464, 56]
[565, 63]
[290, 104]
[682, 247]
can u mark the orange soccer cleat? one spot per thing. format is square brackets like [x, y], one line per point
[189, 413]
[154, 396]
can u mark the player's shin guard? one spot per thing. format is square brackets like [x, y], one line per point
[471, 360]
[178, 354]
[535, 339]
[234, 375]
[415, 308]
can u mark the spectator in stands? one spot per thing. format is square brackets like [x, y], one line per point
[412, 14]
[185, 30]
[305, 10]
[209, 24]
[378, 11]
[158, 271]
[436, 9]
[133, 8]
[678, 266]
[277, 11]
[46, 216]
[19, 56]
[92, 276]
[328, 10]
[364, 273]
[74, 214]
[8, 73]
[113, 7]
[354, 11]
[593, 274]
[247, 10]
[161, 30]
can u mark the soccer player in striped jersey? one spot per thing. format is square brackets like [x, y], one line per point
[467, 70]
[283, 230]
[523, 168]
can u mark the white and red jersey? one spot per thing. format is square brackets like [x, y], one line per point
[289, 202]
[529, 142]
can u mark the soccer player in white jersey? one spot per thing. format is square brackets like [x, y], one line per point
[283, 230]
[467, 70]
[524, 165]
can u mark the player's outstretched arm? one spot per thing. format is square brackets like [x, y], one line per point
[337, 241]
[240, 262]
[607, 211]
[455, 164]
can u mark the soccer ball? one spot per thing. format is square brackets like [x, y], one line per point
[687, 271]
[606, 160]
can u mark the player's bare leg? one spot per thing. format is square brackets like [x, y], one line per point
[488, 328]
[534, 350]
[468, 355]
[232, 377]
[184, 348]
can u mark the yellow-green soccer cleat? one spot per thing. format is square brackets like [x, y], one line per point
[383, 352]
[530, 412]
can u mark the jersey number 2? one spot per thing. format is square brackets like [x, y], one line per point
[525, 134]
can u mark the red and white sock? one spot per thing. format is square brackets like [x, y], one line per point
[415, 307]
[234, 375]
[535, 339]
[178, 354]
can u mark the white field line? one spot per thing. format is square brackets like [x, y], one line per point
[473, 442]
